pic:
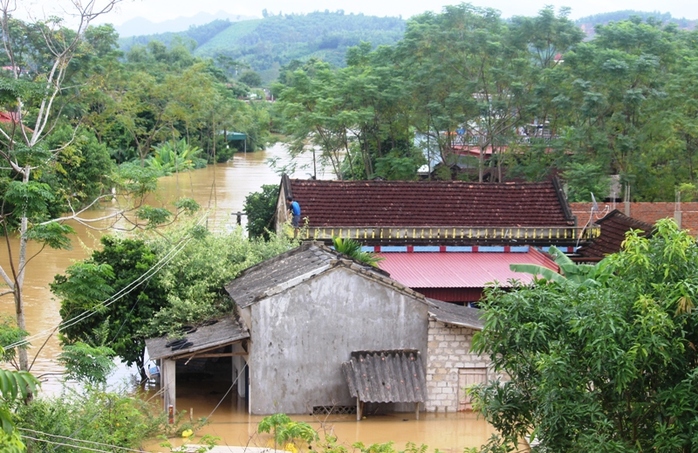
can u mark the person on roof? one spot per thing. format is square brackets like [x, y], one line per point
[295, 209]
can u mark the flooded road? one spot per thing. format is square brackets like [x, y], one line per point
[221, 190]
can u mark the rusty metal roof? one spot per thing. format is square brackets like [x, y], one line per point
[392, 376]
[210, 335]
[460, 270]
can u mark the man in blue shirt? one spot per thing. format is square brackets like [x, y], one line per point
[295, 209]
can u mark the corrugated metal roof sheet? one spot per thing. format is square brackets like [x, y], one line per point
[209, 336]
[430, 203]
[395, 376]
[460, 270]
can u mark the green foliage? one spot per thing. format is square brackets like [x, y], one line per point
[112, 284]
[83, 170]
[603, 367]
[14, 385]
[570, 272]
[86, 363]
[260, 208]
[251, 79]
[175, 156]
[194, 278]
[85, 419]
[285, 430]
[10, 334]
[352, 249]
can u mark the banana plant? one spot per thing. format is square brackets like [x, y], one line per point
[570, 272]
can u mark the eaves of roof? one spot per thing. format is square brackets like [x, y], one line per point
[211, 335]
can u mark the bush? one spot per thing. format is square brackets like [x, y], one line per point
[73, 421]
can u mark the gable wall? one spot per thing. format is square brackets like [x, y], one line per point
[301, 336]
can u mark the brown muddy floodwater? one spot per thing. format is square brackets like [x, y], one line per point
[221, 191]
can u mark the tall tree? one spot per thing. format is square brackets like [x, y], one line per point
[607, 365]
[33, 96]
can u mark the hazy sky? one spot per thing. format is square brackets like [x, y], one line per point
[160, 10]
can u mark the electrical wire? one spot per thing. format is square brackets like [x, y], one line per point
[74, 440]
[169, 256]
[226, 393]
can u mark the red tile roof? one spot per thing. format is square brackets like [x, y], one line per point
[614, 225]
[460, 270]
[430, 203]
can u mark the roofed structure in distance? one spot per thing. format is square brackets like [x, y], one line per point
[462, 276]
[461, 270]
[613, 226]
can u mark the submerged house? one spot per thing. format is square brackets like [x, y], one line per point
[447, 240]
[316, 332]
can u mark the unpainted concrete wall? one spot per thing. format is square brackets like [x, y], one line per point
[300, 338]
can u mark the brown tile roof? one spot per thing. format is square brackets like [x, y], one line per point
[614, 225]
[430, 203]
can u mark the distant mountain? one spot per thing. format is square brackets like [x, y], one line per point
[587, 24]
[142, 26]
[264, 45]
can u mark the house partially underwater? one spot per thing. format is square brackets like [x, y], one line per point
[448, 240]
[316, 332]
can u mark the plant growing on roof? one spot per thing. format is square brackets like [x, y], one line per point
[352, 249]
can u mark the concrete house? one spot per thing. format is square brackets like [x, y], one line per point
[315, 332]
[447, 240]
[307, 310]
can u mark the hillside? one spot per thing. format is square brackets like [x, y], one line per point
[269, 43]
[587, 24]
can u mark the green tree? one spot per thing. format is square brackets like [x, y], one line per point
[260, 209]
[251, 79]
[352, 249]
[26, 201]
[603, 367]
[106, 299]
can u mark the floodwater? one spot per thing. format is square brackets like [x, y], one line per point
[221, 190]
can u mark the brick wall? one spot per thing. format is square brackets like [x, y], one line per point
[687, 217]
[448, 350]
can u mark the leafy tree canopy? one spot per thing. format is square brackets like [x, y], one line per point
[599, 367]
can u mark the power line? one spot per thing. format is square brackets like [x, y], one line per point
[74, 440]
[171, 254]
